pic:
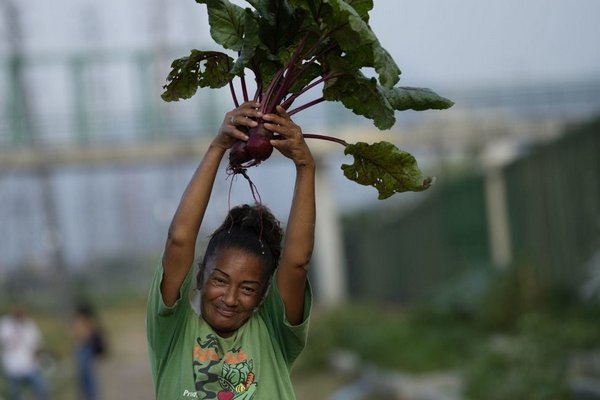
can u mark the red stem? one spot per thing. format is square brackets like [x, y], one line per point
[274, 98]
[292, 98]
[244, 90]
[258, 80]
[233, 96]
[307, 105]
[289, 75]
[287, 103]
[258, 92]
[324, 137]
[269, 93]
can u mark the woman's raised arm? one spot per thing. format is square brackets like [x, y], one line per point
[178, 255]
[300, 230]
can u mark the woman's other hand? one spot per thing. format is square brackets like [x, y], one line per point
[290, 141]
[236, 122]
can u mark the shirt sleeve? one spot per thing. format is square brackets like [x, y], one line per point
[292, 338]
[164, 323]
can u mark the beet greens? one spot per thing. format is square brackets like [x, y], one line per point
[293, 47]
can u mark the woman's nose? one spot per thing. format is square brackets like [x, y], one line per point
[230, 297]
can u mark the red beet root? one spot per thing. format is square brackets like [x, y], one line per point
[259, 144]
[238, 154]
[257, 149]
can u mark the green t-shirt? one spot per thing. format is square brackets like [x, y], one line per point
[190, 361]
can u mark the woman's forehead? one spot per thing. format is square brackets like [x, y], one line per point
[237, 263]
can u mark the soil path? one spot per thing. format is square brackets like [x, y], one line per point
[125, 373]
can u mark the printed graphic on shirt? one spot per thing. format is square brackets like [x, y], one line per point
[234, 372]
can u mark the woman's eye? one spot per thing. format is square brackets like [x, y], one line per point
[249, 290]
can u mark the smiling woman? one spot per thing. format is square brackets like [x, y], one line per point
[237, 267]
[255, 297]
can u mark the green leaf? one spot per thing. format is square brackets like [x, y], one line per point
[353, 33]
[362, 7]
[199, 69]
[273, 12]
[418, 99]
[385, 66]
[250, 43]
[346, 25]
[279, 23]
[226, 22]
[363, 96]
[308, 5]
[310, 73]
[216, 71]
[385, 167]
[267, 65]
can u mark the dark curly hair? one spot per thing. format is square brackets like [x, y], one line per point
[251, 228]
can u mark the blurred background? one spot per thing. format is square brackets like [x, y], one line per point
[485, 286]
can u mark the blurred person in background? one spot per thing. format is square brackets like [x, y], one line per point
[90, 344]
[250, 328]
[21, 343]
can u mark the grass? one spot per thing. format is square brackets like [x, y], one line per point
[389, 338]
[506, 345]
[532, 362]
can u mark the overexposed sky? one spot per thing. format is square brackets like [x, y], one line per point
[475, 42]
[437, 42]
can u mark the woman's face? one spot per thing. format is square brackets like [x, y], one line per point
[232, 288]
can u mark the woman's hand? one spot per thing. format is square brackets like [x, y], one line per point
[243, 117]
[290, 142]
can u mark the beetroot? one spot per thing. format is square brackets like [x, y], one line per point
[257, 149]
[238, 154]
[259, 143]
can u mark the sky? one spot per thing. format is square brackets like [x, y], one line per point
[443, 42]
[473, 42]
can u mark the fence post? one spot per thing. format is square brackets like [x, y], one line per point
[495, 158]
[331, 269]
[80, 95]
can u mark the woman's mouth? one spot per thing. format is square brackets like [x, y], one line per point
[225, 312]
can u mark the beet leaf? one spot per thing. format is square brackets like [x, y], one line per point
[294, 47]
[385, 167]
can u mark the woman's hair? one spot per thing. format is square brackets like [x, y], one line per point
[251, 228]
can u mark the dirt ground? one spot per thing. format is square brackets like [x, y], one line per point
[125, 373]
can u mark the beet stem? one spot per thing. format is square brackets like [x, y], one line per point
[314, 83]
[244, 90]
[307, 105]
[265, 108]
[233, 96]
[258, 93]
[324, 137]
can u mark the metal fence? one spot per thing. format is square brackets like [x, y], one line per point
[106, 97]
[553, 219]
[554, 206]
[64, 99]
[404, 254]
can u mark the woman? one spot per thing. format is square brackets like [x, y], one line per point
[255, 298]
